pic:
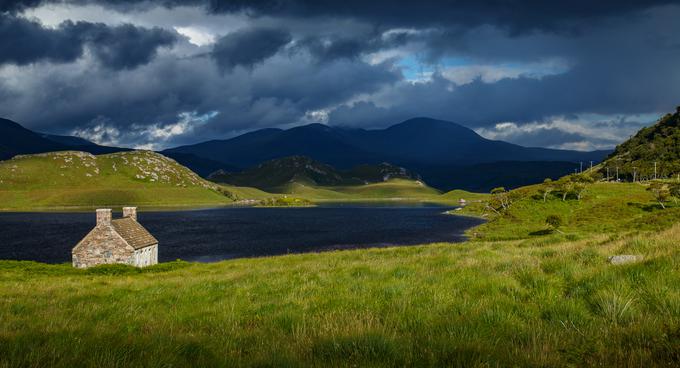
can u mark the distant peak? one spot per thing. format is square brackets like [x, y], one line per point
[313, 126]
[424, 121]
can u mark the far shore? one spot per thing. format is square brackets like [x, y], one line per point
[207, 206]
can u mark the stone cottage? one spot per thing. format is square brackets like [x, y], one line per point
[121, 240]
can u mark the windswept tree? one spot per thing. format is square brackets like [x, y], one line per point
[660, 191]
[547, 188]
[674, 191]
[554, 221]
[500, 195]
[579, 188]
[566, 187]
[574, 184]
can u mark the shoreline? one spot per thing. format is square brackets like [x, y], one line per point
[207, 206]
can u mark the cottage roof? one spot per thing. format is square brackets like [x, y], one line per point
[133, 233]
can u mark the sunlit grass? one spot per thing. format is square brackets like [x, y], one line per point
[508, 303]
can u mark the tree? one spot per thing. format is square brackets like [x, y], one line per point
[566, 185]
[660, 191]
[501, 196]
[554, 221]
[578, 189]
[674, 191]
[546, 189]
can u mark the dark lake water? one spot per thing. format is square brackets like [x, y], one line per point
[216, 234]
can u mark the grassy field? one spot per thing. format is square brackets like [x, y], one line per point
[394, 189]
[510, 303]
[605, 208]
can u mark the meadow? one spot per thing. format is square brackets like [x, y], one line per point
[504, 298]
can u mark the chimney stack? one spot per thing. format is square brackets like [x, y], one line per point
[130, 212]
[103, 216]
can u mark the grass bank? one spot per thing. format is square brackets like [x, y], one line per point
[604, 208]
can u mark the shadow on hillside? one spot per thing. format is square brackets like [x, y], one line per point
[541, 232]
[647, 207]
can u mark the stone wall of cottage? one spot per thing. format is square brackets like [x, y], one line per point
[102, 246]
[146, 256]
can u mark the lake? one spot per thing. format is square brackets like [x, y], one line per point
[210, 235]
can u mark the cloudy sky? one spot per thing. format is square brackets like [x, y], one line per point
[153, 74]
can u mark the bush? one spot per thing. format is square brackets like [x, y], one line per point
[554, 221]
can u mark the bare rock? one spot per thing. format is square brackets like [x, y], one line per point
[625, 258]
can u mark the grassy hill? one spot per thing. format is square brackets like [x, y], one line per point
[393, 189]
[280, 174]
[79, 179]
[658, 143]
[71, 180]
[605, 208]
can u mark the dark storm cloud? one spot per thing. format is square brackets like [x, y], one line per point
[121, 47]
[516, 15]
[277, 93]
[289, 60]
[249, 47]
[325, 48]
[24, 42]
[18, 5]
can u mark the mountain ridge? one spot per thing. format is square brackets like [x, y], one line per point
[447, 155]
[273, 175]
[438, 150]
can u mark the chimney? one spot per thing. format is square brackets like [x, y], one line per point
[103, 216]
[130, 212]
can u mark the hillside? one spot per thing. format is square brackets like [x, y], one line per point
[438, 150]
[80, 179]
[275, 175]
[658, 143]
[393, 189]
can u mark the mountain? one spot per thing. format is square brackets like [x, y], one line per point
[659, 143]
[82, 144]
[73, 178]
[15, 140]
[443, 152]
[68, 140]
[416, 141]
[200, 165]
[278, 174]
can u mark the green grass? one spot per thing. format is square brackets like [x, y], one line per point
[606, 208]
[78, 180]
[394, 189]
[558, 303]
